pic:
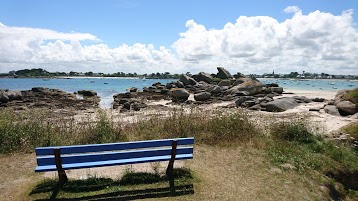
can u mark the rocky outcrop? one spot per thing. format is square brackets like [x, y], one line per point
[223, 73]
[186, 80]
[203, 96]
[206, 77]
[3, 97]
[246, 84]
[88, 93]
[179, 95]
[281, 105]
[332, 110]
[224, 83]
[39, 97]
[347, 107]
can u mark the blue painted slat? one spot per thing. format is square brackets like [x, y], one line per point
[112, 163]
[105, 156]
[40, 151]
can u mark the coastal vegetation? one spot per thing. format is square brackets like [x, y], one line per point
[39, 72]
[293, 144]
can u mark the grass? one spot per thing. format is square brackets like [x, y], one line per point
[352, 96]
[107, 188]
[292, 142]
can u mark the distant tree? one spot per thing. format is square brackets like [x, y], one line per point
[90, 73]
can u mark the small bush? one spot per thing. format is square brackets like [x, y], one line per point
[352, 96]
[293, 130]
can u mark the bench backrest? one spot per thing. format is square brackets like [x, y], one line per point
[113, 151]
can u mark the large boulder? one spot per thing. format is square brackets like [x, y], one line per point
[332, 110]
[246, 84]
[281, 105]
[203, 96]
[186, 80]
[278, 90]
[216, 90]
[223, 73]
[340, 96]
[87, 93]
[179, 94]
[14, 95]
[206, 77]
[224, 83]
[347, 107]
[3, 97]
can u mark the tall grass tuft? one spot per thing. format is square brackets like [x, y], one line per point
[24, 131]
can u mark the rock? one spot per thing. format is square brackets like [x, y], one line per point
[240, 101]
[255, 107]
[216, 90]
[314, 109]
[186, 80]
[202, 96]
[133, 89]
[340, 96]
[3, 97]
[320, 100]
[138, 106]
[224, 83]
[40, 89]
[271, 85]
[249, 103]
[247, 84]
[278, 90]
[355, 116]
[179, 84]
[347, 107]
[281, 105]
[87, 93]
[238, 81]
[179, 94]
[241, 93]
[266, 90]
[127, 106]
[302, 99]
[156, 84]
[14, 95]
[332, 110]
[206, 77]
[223, 73]
[239, 75]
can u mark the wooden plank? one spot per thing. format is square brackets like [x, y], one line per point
[105, 156]
[40, 151]
[112, 162]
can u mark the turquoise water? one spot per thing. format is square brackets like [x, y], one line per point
[313, 84]
[107, 87]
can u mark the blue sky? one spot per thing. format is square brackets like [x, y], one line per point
[157, 22]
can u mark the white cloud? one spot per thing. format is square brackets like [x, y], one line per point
[292, 9]
[316, 42]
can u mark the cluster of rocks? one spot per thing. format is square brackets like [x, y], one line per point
[340, 106]
[39, 97]
[207, 88]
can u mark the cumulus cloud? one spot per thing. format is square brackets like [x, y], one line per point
[316, 42]
[292, 9]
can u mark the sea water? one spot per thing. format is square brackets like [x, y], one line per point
[107, 87]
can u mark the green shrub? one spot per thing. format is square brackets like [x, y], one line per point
[293, 130]
[352, 96]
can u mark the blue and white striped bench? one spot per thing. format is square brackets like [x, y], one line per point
[63, 158]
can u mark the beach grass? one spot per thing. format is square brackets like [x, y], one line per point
[291, 143]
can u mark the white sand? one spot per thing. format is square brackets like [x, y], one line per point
[311, 94]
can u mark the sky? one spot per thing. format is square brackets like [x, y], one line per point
[178, 36]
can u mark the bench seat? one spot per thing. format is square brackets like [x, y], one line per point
[112, 163]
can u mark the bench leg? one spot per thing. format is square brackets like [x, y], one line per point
[170, 169]
[61, 172]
